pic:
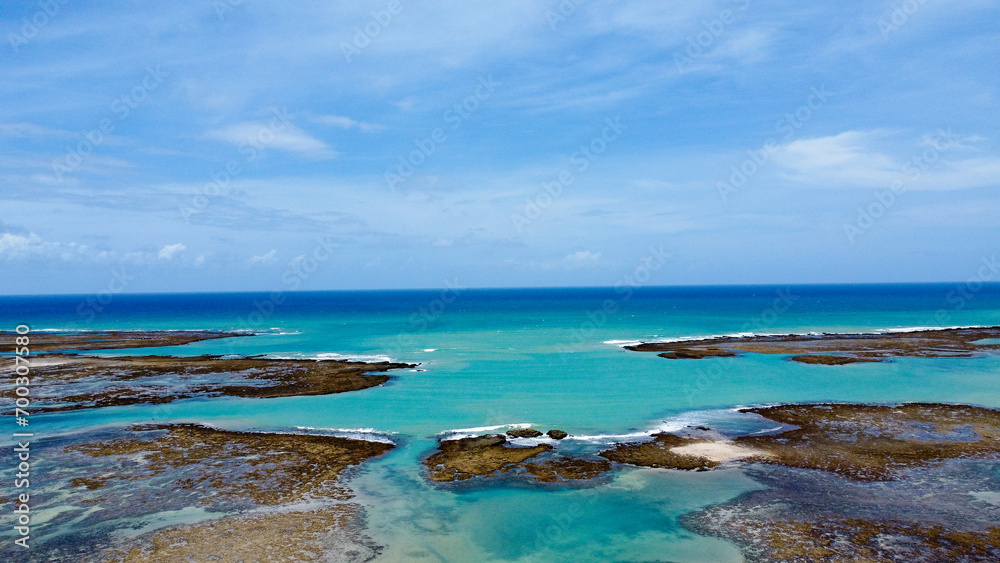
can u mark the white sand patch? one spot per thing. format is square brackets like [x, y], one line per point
[33, 363]
[716, 451]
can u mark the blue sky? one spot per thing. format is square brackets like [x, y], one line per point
[227, 145]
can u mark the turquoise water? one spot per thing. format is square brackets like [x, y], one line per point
[551, 358]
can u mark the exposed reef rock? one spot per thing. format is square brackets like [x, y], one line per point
[931, 515]
[114, 340]
[659, 453]
[458, 460]
[268, 469]
[816, 348]
[492, 456]
[77, 382]
[270, 537]
[868, 442]
[524, 433]
[224, 495]
[556, 434]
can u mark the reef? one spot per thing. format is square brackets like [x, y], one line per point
[246, 495]
[831, 360]
[524, 433]
[931, 515]
[567, 468]
[838, 349]
[698, 353]
[492, 456]
[270, 537]
[464, 458]
[78, 382]
[660, 453]
[113, 340]
[268, 469]
[871, 442]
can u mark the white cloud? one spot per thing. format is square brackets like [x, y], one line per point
[843, 158]
[19, 247]
[24, 130]
[406, 104]
[582, 256]
[347, 123]
[265, 258]
[575, 261]
[856, 159]
[167, 252]
[285, 137]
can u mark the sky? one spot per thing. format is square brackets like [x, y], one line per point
[228, 145]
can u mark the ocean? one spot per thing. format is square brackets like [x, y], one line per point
[551, 358]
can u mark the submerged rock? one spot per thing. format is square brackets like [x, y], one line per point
[567, 468]
[832, 360]
[698, 353]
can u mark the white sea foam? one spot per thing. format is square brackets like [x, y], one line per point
[767, 430]
[674, 424]
[430, 349]
[623, 343]
[609, 438]
[332, 356]
[459, 433]
[367, 434]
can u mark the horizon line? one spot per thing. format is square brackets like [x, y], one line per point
[508, 288]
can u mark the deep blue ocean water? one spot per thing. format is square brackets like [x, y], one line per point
[547, 357]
